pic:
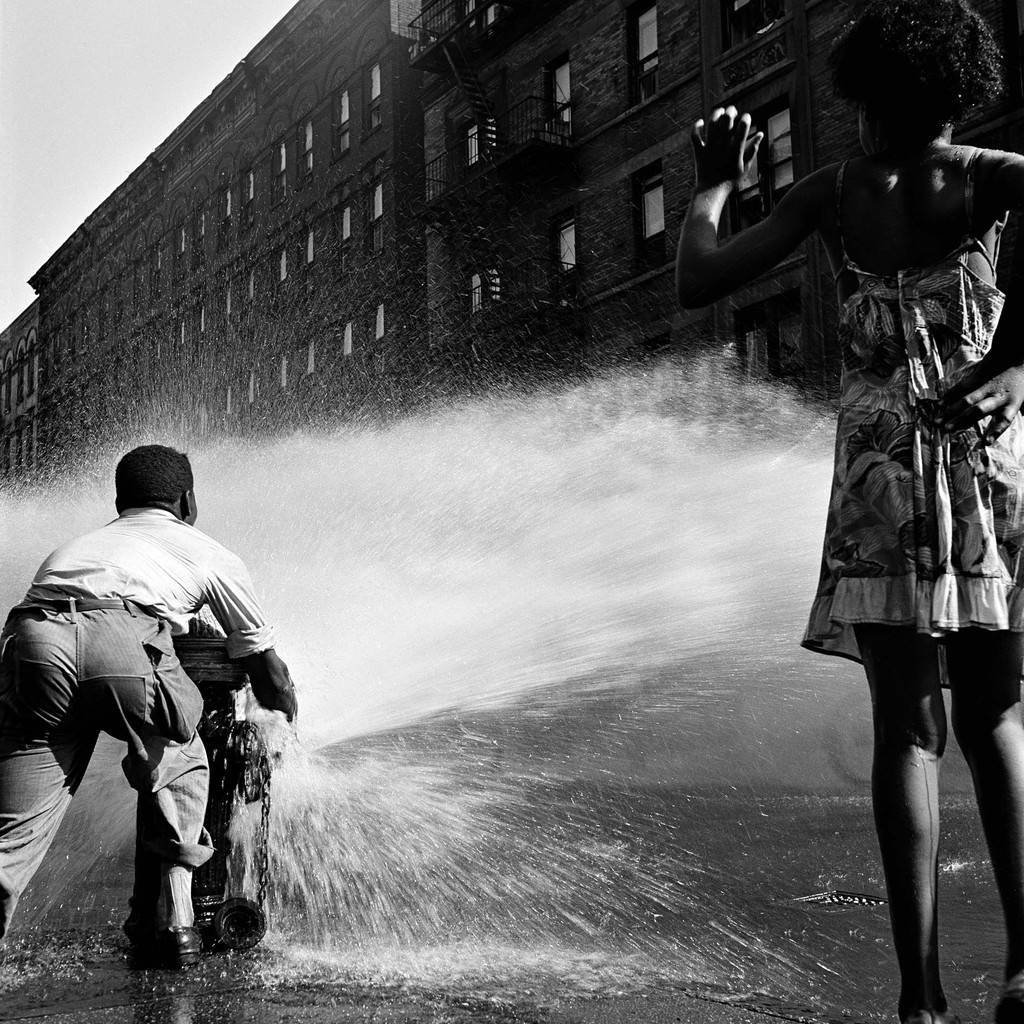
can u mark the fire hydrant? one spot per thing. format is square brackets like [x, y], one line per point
[228, 898]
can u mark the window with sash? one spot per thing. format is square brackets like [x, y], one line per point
[744, 19]
[373, 107]
[226, 219]
[377, 216]
[248, 198]
[769, 337]
[649, 203]
[341, 119]
[281, 172]
[564, 237]
[771, 175]
[643, 42]
[199, 239]
[558, 83]
[306, 146]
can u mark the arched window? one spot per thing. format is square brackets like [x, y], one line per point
[5, 386]
[21, 373]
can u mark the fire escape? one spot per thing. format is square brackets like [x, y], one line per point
[481, 192]
[453, 38]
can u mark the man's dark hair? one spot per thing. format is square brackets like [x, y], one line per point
[152, 474]
[917, 65]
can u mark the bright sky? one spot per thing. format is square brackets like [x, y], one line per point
[87, 91]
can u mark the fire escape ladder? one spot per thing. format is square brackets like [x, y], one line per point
[474, 91]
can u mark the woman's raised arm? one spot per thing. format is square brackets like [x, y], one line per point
[706, 269]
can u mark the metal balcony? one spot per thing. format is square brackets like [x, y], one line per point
[471, 25]
[531, 125]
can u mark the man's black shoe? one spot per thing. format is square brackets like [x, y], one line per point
[178, 947]
[141, 933]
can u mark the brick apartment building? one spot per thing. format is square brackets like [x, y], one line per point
[385, 197]
[19, 391]
[558, 169]
[262, 263]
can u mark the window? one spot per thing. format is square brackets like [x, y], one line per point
[202, 318]
[199, 239]
[472, 139]
[769, 337]
[252, 386]
[346, 223]
[346, 345]
[649, 193]
[282, 264]
[224, 227]
[373, 108]
[310, 247]
[252, 285]
[566, 239]
[771, 175]
[565, 255]
[643, 41]
[227, 300]
[155, 266]
[281, 172]
[558, 92]
[227, 402]
[179, 251]
[20, 375]
[248, 199]
[484, 287]
[379, 330]
[307, 150]
[744, 19]
[311, 358]
[487, 14]
[342, 126]
[377, 216]
[284, 373]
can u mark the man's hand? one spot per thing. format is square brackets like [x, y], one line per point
[723, 148]
[271, 682]
[984, 391]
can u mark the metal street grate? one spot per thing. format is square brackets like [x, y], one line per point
[837, 897]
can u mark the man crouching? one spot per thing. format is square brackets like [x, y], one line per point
[89, 650]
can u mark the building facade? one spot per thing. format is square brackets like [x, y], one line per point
[262, 265]
[387, 200]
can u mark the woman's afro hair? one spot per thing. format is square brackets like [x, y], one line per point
[919, 64]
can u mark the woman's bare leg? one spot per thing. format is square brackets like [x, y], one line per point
[985, 673]
[910, 736]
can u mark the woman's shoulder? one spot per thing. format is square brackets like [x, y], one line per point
[998, 180]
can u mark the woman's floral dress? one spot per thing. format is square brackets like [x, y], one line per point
[924, 528]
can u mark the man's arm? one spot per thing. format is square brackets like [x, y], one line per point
[271, 682]
[707, 270]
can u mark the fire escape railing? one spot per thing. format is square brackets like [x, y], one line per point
[443, 18]
[530, 122]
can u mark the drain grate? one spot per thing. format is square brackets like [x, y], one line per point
[837, 897]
